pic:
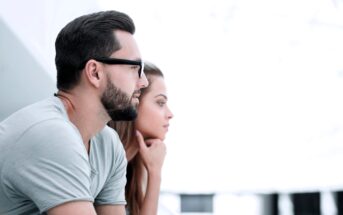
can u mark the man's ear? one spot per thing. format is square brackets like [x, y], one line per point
[93, 73]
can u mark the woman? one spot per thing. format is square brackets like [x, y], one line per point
[143, 143]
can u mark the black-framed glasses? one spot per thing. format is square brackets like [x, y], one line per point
[123, 62]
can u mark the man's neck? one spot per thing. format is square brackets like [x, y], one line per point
[85, 113]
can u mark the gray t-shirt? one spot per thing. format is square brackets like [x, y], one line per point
[44, 163]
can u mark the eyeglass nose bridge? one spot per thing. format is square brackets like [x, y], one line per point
[141, 71]
[143, 80]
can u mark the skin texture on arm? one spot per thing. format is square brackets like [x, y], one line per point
[153, 152]
[110, 209]
[73, 208]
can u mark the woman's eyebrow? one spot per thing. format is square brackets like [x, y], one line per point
[163, 95]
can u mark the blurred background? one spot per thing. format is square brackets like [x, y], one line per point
[256, 88]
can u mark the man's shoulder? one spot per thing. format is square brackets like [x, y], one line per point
[34, 113]
[40, 122]
[54, 136]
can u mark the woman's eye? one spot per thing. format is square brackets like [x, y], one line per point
[161, 103]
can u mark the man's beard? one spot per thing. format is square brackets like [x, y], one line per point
[118, 104]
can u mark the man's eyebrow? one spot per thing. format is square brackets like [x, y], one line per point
[163, 95]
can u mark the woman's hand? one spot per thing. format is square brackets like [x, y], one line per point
[153, 152]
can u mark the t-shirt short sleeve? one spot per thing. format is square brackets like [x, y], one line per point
[113, 191]
[50, 166]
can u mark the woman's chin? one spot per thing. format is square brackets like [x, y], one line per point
[162, 137]
[156, 136]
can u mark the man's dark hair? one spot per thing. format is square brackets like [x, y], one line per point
[84, 38]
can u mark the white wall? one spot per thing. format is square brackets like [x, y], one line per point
[28, 30]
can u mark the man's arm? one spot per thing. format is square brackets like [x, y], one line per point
[74, 208]
[110, 209]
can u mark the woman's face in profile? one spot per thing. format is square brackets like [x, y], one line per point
[153, 112]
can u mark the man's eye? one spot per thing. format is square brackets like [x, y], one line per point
[134, 67]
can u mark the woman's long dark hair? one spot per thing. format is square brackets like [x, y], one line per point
[136, 171]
